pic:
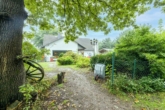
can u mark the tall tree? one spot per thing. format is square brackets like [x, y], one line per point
[12, 16]
[160, 25]
[38, 37]
[106, 43]
[73, 16]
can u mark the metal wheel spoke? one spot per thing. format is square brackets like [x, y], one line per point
[35, 77]
[28, 69]
[32, 69]
[35, 74]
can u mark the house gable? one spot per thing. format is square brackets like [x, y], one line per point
[49, 39]
[62, 45]
[85, 42]
[56, 45]
[80, 47]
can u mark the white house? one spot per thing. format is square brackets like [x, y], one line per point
[57, 45]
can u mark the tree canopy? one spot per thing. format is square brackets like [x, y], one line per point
[38, 37]
[106, 43]
[75, 17]
[145, 45]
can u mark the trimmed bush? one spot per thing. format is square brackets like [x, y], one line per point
[83, 62]
[73, 55]
[65, 60]
[61, 54]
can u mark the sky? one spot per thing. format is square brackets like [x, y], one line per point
[150, 17]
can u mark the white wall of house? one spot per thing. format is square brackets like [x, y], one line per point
[88, 53]
[61, 46]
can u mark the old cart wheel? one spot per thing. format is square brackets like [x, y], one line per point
[34, 71]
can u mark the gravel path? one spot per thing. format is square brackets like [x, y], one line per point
[81, 92]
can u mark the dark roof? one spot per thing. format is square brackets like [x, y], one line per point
[48, 39]
[80, 47]
[83, 43]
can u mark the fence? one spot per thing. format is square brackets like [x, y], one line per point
[133, 69]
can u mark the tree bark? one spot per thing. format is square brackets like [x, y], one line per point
[12, 75]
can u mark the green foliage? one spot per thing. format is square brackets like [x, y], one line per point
[108, 70]
[145, 46]
[71, 54]
[154, 85]
[76, 17]
[83, 62]
[68, 58]
[26, 90]
[43, 85]
[47, 67]
[39, 36]
[143, 85]
[39, 88]
[29, 49]
[106, 43]
[65, 60]
[61, 54]
[102, 58]
[160, 3]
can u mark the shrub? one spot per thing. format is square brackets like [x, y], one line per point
[102, 58]
[61, 54]
[146, 46]
[151, 85]
[123, 83]
[143, 85]
[73, 55]
[65, 60]
[30, 50]
[83, 62]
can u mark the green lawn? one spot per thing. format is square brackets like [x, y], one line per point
[147, 101]
[155, 101]
[48, 66]
[51, 66]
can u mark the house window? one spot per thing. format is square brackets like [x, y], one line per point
[89, 54]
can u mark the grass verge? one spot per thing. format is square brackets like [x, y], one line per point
[48, 66]
[142, 101]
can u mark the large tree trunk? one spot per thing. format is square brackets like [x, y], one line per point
[12, 16]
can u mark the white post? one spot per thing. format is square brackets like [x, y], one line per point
[96, 49]
[94, 42]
